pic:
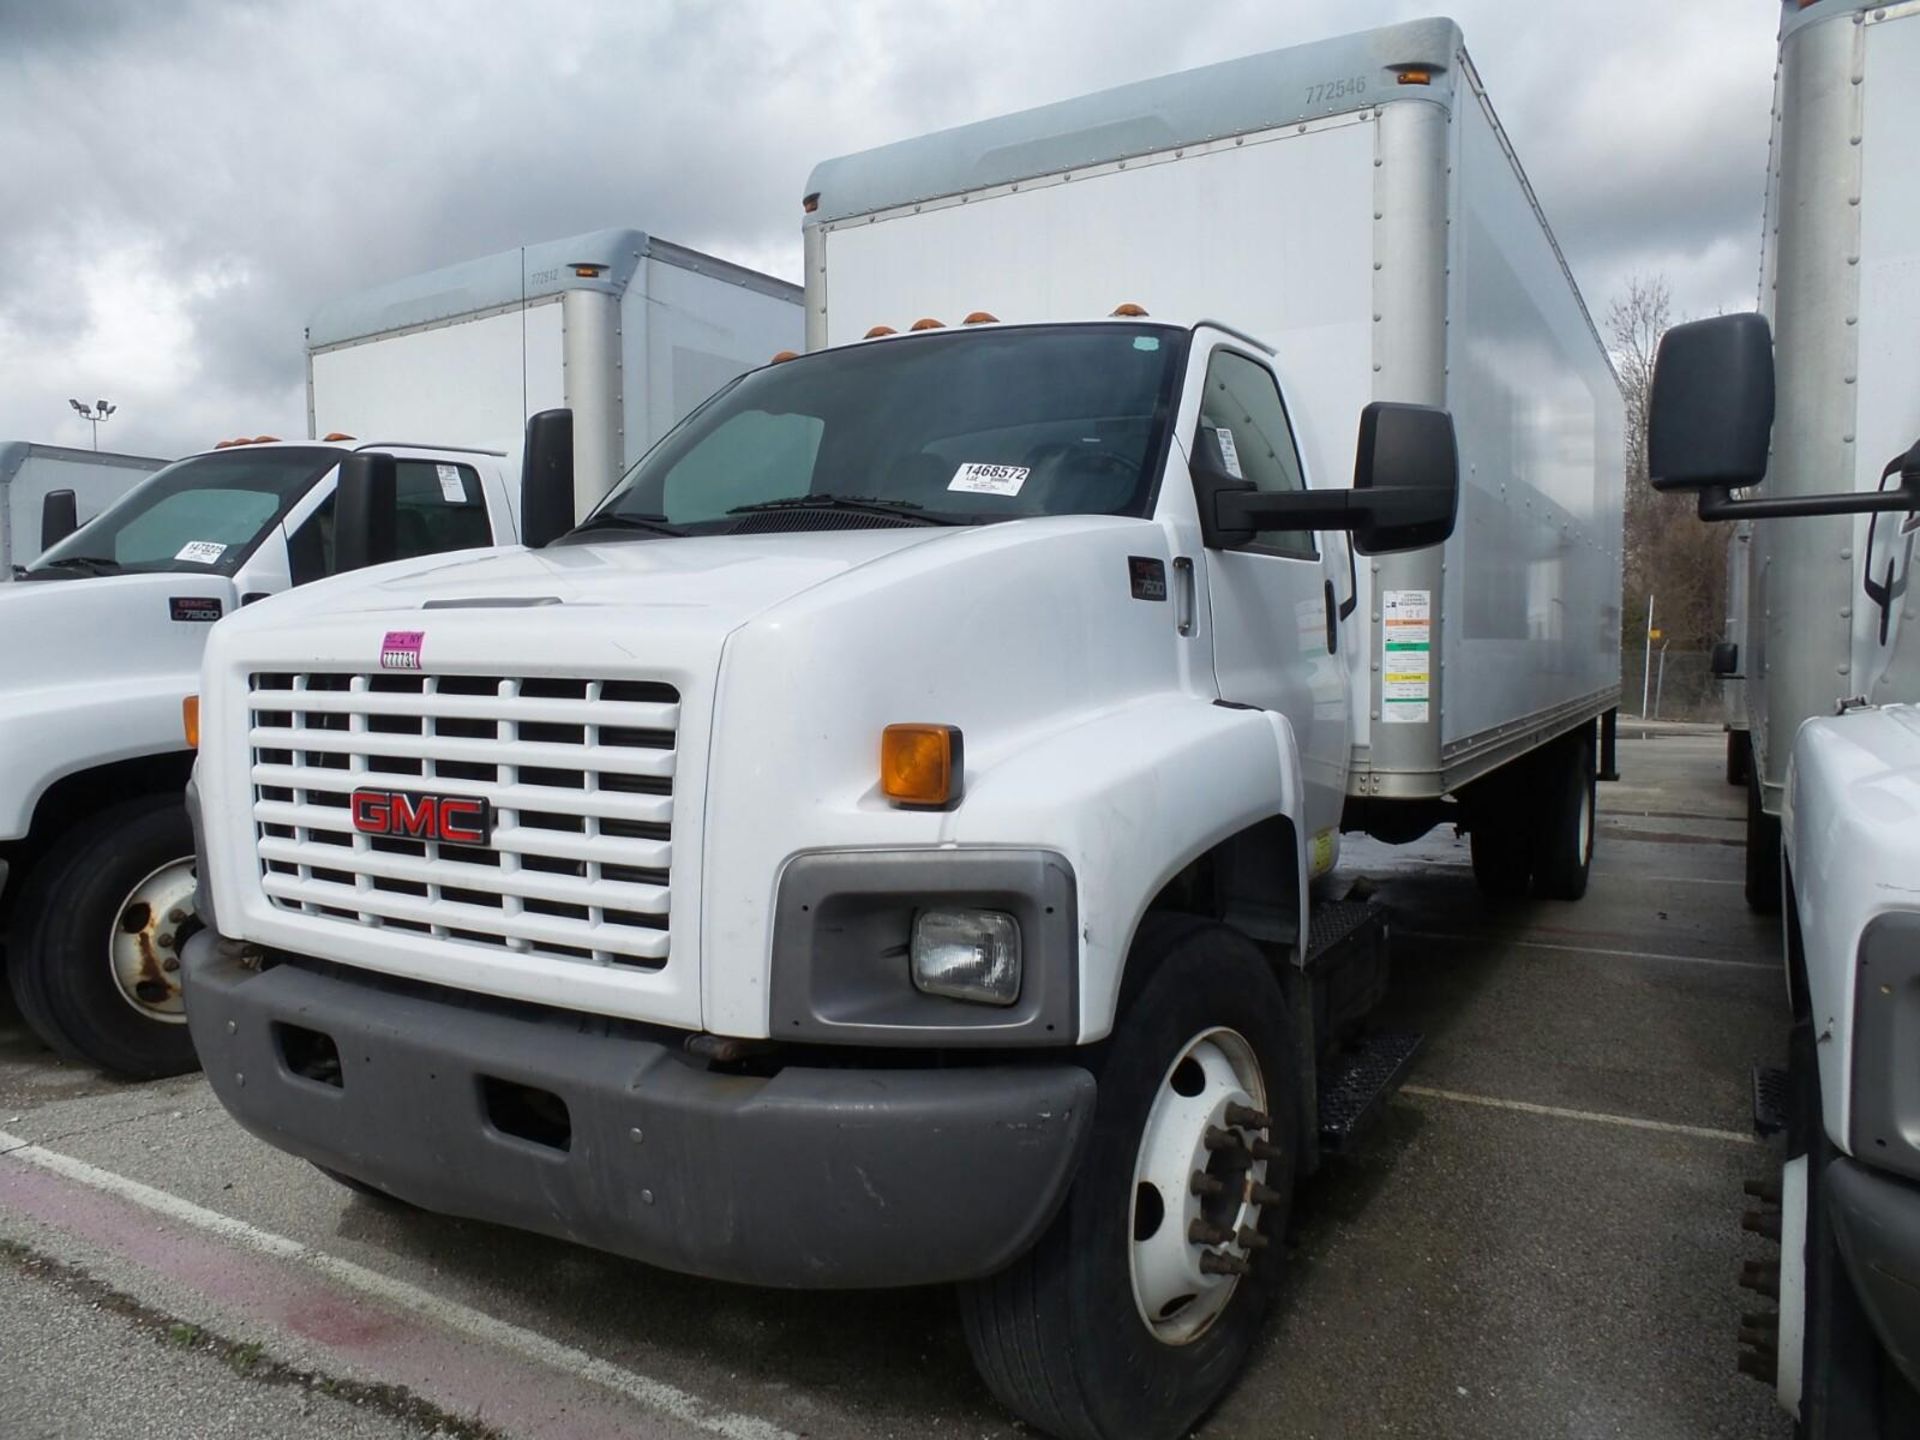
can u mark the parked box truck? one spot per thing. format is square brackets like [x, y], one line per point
[626, 330]
[100, 641]
[1817, 416]
[30, 474]
[878, 846]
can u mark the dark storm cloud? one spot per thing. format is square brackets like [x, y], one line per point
[187, 182]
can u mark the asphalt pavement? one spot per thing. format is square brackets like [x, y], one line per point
[1539, 1237]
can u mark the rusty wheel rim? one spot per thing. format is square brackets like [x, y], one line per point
[149, 927]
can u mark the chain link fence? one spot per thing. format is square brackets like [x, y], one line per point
[1678, 685]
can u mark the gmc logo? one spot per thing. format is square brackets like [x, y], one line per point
[450, 819]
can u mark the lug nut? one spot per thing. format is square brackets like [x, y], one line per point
[176, 915]
[1221, 1140]
[165, 942]
[1264, 1151]
[1767, 1190]
[1251, 1239]
[1762, 1224]
[1760, 1278]
[1203, 1184]
[1761, 1320]
[1215, 1263]
[1761, 1340]
[1245, 1117]
[1203, 1232]
[1264, 1195]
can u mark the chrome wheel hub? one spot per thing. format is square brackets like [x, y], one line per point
[149, 928]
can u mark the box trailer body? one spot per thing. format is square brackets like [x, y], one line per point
[1382, 238]
[1841, 285]
[628, 331]
[30, 472]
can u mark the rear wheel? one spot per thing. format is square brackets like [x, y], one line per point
[1763, 851]
[94, 959]
[1136, 1309]
[1564, 818]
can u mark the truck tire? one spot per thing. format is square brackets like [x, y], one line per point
[1108, 1329]
[1763, 852]
[1564, 818]
[94, 955]
[1739, 757]
[1849, 1388]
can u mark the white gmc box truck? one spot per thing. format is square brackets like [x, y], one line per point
[48, 490]
[883, 844]
[1821, 412]
[627, 330]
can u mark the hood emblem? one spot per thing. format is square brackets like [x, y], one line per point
[401, 649]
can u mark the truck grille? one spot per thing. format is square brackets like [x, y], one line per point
[579, 774]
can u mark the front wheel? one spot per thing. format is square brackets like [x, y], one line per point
[94, 960]
[1136, 1309]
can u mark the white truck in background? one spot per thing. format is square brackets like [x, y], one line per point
[48, 490]
[883, 844]
[626, 330]
[1820, 411]
[100, 642]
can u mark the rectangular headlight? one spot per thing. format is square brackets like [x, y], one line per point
[967, 955]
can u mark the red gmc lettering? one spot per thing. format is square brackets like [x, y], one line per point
[371, 815]
[454, 819]
[463, 822]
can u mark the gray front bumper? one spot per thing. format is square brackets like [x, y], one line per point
[814, 1177]
[1876, 1219]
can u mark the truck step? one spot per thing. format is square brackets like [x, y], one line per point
[1769, 1099]
[1340, 928]
[1356, 1081]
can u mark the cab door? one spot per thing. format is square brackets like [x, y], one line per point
[1276, 601]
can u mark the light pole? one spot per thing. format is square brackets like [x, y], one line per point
[94, 414]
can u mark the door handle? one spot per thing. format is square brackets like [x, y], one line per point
[1333, 622]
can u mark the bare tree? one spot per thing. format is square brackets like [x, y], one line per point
[1670, 553]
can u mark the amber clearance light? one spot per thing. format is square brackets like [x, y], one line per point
[190, 720]
[921, 764]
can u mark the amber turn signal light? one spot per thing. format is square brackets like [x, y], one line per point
[921, 764]
[190, 720]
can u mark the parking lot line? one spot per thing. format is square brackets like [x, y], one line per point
[1456, 938]
[656, 1395]
[1591, 1117]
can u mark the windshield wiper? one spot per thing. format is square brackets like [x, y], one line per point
[616, 520]
[86, 564]
[871, 505]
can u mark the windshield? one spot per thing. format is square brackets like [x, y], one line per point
[203, 515]
[953, 427]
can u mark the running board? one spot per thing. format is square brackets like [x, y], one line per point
[1356, 1081]
[1770, 1092]
[1341, 929]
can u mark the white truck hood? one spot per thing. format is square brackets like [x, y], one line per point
[93, 671]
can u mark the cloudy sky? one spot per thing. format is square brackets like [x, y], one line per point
[185, 181]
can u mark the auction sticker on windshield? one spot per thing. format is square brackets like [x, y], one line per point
[201, 552]
[989, 479]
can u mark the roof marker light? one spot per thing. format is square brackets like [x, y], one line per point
[784, 356]
[877, 331]
[927, 323]
[1416, 75]
[1129, 311]
[811, 203]
[266, 439]
[334, 436]
[981, 317]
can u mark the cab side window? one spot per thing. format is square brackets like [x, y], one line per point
[428, 519]
[1243, 409]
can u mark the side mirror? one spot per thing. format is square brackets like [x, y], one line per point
[1726, 659]
[546, 478]
[59, 517]
[364, 529]
[1405, 495]
[1406, 477]
[1711, 414]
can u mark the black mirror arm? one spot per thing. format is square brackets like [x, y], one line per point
[1717, 503]
[1321, 509]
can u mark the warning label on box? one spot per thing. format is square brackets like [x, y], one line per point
[1406, 661]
